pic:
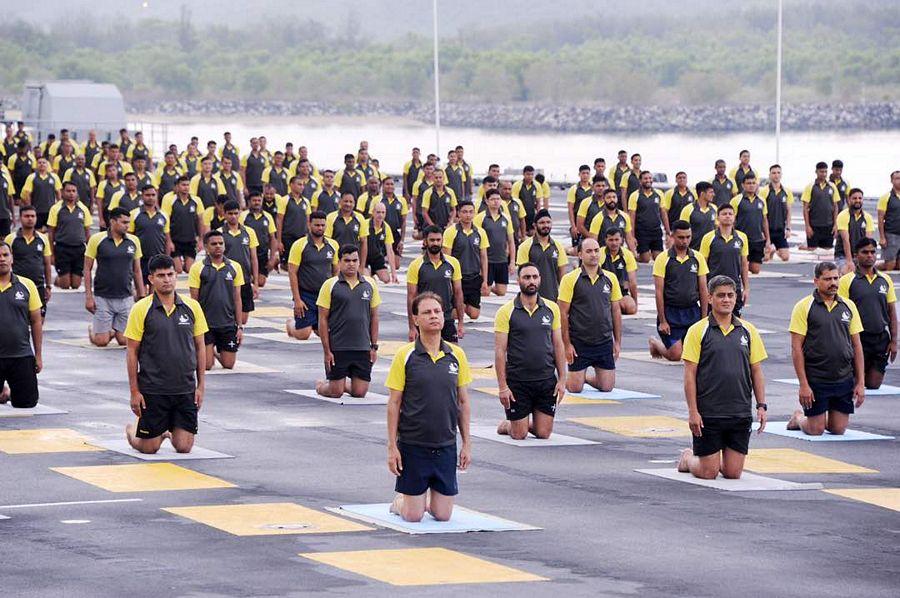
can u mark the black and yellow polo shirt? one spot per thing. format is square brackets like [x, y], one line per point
[365, 203]
[530, 196]
[429, 409]
[151, 228]
[456, 179]
[234, 186]
[254, 164]
[578, 193]
[590, 298]
[207, 189]
[167, 356]
[723, 357]
[725, 189]
[165, 179]
[889, 203]
[465, 246]
[69, 222]
[277, 177]
[411, 172]
[725, 254]
[438, 278]
[379, 240]
[182, 215]
[549, 258]
[617, 172]
[240, 243]
[62, 164]
[751, 214]
[216, 283]
[395, 213]
[18, 298]
[315, 262]
[497, 228]
[20, 168]
[84, 180]
[857, 226]
[439, 204]
[646, 211]
[124, 199]
[41, 190]
[263, 224]
[349, 304]
[229, 150]
[777, 202]
[603, 222]
[325, 201]
[28, 255]
[739, 173]
[115, 263]
[621, 265]
[213, 217]
[105, 192]
[589, 210]
[529, 349]
[122, 167]
[349, 181]
[826, 328]
[7, 191]
[674, 202]
[873, 296]
[346, 230]
[680, 274]
[821, 200]
[295, 212]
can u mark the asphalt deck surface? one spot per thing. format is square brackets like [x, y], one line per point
[606, 530]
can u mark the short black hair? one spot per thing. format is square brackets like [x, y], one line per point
[823, 267]
[232, 205]
[681, 225]
[613, 230]
[854, 190]
[837, 164]
[528, 168]
[347, 250]
[463, 204]
[599, 178]
[725, 206]
[584, 167]
[488, 179]
[183, 179]
[352, 157]
[743, 151]
[253, 194]
[702, 186]
[539, 178]
[212, 233]
[865, 242]
[821, 165]
[69, 183]
[160, 261]
[431, 230]
[118, 212]
[527, 265]
[28, 208]
[318, 215]
[599, 160]
[490, 193]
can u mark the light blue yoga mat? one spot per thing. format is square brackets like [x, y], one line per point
[463, 520]
[780, 429]
[616, 394]
[885, 390]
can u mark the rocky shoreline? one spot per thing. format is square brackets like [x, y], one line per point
[562, 118]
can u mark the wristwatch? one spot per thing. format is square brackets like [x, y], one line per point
[763, 406]
[374, 346]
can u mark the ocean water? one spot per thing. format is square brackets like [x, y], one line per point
[869, 156]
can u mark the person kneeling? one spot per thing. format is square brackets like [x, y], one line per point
[722, 371]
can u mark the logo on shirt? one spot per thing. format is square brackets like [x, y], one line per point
[191, 209]
[693, 268]
[80, 216]
[882, 289]
[737, 244]
[453, 369]
[245, 241]
[620, 266]
[183, 320]
[545, 320]
[555, 254]
[356, 228]
[503, 222]
[329, 254]
[160, 221]
[744, 340]
[20, 296]
[366, 295]
[845, 317]
[228, 276]
[39, 247]
[607, 288]
[130, 249]
[448, 274]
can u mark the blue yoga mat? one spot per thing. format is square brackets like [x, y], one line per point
[463, 520]
[780, 429]
[616, 394]
[885, 390]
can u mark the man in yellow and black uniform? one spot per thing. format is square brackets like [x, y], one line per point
[32, 254]
[873, 293]
[167, 174]
[611, 217]
[128, 198]
[828, 356]
[253, 165]
[853, 225]
[679, 276]
[889, 223]
[20, 165]
[184, 213]
[439, 274]
[349, 179]
[724, 186]
[22, 325]
[205, 185]
[263, 224]
[84, 180]
[644, 211]
[41, 189]
[726, 251]
[311, 261]
[347, 226]
[69, 223]
[216, 283]
[546, 253]
[152, 229]
[529, 359]
[276, 174]
[7, 191]
[615, 257]
[751, 218]
[469, 244]
[292, 219]
[722, 371]
[577, 193]
[676, 199]
[348, 327]
[166, 363]
[700, 214]
[240, 246]
[820, 209]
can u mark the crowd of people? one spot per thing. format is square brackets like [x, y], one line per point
[229, 219]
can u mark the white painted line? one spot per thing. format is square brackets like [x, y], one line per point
[71, 521]
[73, 502]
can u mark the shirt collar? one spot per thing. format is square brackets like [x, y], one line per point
[421, 350]
[518, 302]
[157, 303]
[735, 322]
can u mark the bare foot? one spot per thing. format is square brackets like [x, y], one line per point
[129, 433]
[686, 454]
[503, 428]
[655, 345]
[395, 504]
[794, 422]
[4, 395]
[287, 327]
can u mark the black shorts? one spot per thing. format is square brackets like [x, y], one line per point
[448, 332]
[875, 350]
[188, 250]
[288, 243]
[41, 220]
[376, 263]
[19, 373]
[424, 468]
[350, 364]
[164, 413]
[779, 240]
[262, 258]
[398, 244]
[68, 259]
[247, 303]
[679, 320]
[224, 339]
[498, 273]
[649, 241]
[530, 396]
[5, 226]
[822, 238]
[756, 250]
[721, 433]
[471, 288]
[599, 356]
[831, 396]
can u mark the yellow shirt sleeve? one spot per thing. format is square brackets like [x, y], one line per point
[134, 330]
[806, 196]
[870, 224]
[238, 274]
[200, 325]
[329, 223]
[844, 285]
[570, 195]
[659, 264]
[856, 325]
[583, 209]
[561, 258]
[630, 262]
[449, 237]
[138, 253]
[34, 299]
[376, 296]
[745, 244]
[464, 377]
[388, 236]
[891, 295]
[666, 200]
[883, 202]
[194, 275]
[53, 216]
[47, 251]
[757, 348]
[91, 249]
[567, 285]
[295, 254]
[88, 219]
[501, 319]
[29, 184]
[703, 269]
[324, 298]
[557, 319]
[457, 269]
[195, 184]
[363, 225]
[616, 292]
[523, 251]
[633, 201]
[412, 274]
[426, 199]
[396, 378]
[706, 243]
[692, 341]
[843, 221]
[799, 316]
[254, 241]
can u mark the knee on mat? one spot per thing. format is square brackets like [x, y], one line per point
[574, 387]
[837, 430]
[147, 450]
[710, 472]
[412, 516]
[442, 514]
[732, 475]
[517, 435]
[542, 434]
[182, 447]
